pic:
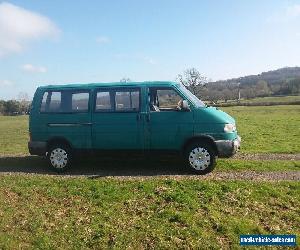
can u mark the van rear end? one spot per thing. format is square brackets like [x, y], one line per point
[36, 145]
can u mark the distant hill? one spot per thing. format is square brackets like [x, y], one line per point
[275, 77]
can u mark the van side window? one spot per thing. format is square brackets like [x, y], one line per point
[80, 101]
[66, 101]
[163, 99]
[127, 100]
[55, 102]
[103, 101]
[118, 100]
[44, 100]
[51, 102]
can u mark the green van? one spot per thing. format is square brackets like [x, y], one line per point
[135, 116]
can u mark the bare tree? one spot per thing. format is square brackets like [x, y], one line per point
[24, 102]
[214, 96]
[262, 88]
[192, 79]
[248, 92]
[125, 79]
[23, 96]
[227, 95]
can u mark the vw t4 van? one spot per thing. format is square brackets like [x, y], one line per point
[137, 116]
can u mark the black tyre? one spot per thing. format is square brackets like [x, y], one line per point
[59, 157]
[200, 158]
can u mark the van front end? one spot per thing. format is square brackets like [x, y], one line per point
[227, 148]
[219, 126]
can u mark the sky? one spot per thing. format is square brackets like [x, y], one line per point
[56, 42]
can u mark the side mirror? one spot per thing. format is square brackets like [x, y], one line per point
[185, 106]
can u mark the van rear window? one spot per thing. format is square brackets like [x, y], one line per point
[65, 102]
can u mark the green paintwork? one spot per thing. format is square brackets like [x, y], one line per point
[210, 121]
[143, 130]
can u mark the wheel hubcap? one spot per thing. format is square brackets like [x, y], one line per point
[199, 158]
[58, 158]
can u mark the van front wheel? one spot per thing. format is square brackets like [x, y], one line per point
[200, 158]
[59, 157]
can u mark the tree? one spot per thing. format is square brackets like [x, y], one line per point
[227, 95]
[2, 107]
[11, 107]
[24, 102]
[214, 96]
[125, 79]
[248, 93]
[294, 86]
[262, 88]
[193, 80]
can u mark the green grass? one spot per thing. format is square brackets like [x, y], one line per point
[53, 212]
[256, 165]
[13, 134]
[274, 99]
[46, 212]
[268, 99]
[272, 129]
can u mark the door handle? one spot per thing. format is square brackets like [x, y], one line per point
[138, 117]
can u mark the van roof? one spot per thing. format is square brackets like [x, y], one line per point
[110, 84]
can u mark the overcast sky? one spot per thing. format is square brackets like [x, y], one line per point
[49, 42]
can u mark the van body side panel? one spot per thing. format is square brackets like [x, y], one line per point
[73, 127]
[169, 130]
[117, 130]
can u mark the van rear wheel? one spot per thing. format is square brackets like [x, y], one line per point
[59, 157]
[200, 158]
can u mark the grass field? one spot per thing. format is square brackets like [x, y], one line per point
[274, 99]
[13, 135]
[268, 99]
[47, 212]
[271, 129]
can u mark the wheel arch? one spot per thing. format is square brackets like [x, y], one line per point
[200, 138]
[58, 140]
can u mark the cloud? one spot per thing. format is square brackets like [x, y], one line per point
[103, 39]
[34, 69]
[19, 26]
[6, 83]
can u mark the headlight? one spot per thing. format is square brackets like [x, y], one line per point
[229, 127]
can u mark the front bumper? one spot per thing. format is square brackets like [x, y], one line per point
[227, 148]
[37, 148]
